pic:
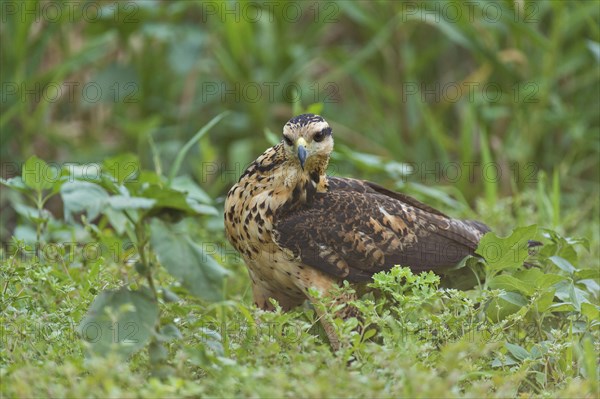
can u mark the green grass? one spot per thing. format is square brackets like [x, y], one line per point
[384, 74]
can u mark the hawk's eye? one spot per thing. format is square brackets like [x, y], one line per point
[288, 140]
[319, 136]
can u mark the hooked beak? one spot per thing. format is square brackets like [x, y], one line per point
[302, 154]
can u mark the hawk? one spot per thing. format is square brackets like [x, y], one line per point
[297, 228]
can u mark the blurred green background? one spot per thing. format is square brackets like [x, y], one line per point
[482, 108]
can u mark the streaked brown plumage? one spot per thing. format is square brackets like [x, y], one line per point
[297, 228]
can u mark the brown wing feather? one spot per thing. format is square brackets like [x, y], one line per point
[365, 186]
[359, 228]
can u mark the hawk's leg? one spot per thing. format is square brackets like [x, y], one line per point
[330, 291]
[262, 295]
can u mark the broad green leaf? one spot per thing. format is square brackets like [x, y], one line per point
[517, 351]
[510, 252]
[202, 209]
[594, 48]
[120, 321]
[168, 198]
[82, 171]
[510, 283]
[544, 301]
[187, 261]
[169, 296]
[157, 353]
[117, 220]
[515, 298]
[83, 196]
[124, 167]
[562, 307]
[212, 339]
[148, 177]
[563, 264]
[38, 175]
[587, 274]
[500, 308]
[507, 361]
[592, 312]
[538, 279]
[195, 197]
[591, 285]
[122, 202]
[567, 292]
[168, 333]
[32, 213]
[15, 183]
[187, 185]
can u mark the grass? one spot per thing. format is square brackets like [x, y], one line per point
[490, 116]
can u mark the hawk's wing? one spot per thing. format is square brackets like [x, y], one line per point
[358, 228]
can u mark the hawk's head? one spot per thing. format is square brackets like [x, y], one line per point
[308, 140]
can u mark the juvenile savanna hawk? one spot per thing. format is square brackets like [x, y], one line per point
[298, 228]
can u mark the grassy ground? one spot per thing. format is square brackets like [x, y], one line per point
[485, 110]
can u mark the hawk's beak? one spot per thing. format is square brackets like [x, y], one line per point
[302, 154]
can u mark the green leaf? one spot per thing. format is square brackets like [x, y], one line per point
[123, 168]
[538, 279]
[169, 296]
[168, 333]
[563, 264]
[117, 220]
[517, 351]
[38, 175]
[505, 305]
[510, 252]
[544, 301]
[120, 321]
[567, 292]
[188, 186]
[515, 298]
[187, 261]
[202, 209]
[87, 171]
[592, 312]
[507, 361]
[167, 198]
[32, 213]
[561, 307]
[591, 285]
[122, 202]
[587, 274]
[15, 183]
[510, 283]
[157, 353]
[195, 197]
[82, 196]
[594, 48]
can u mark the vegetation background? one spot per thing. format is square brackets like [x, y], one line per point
[486, 110]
